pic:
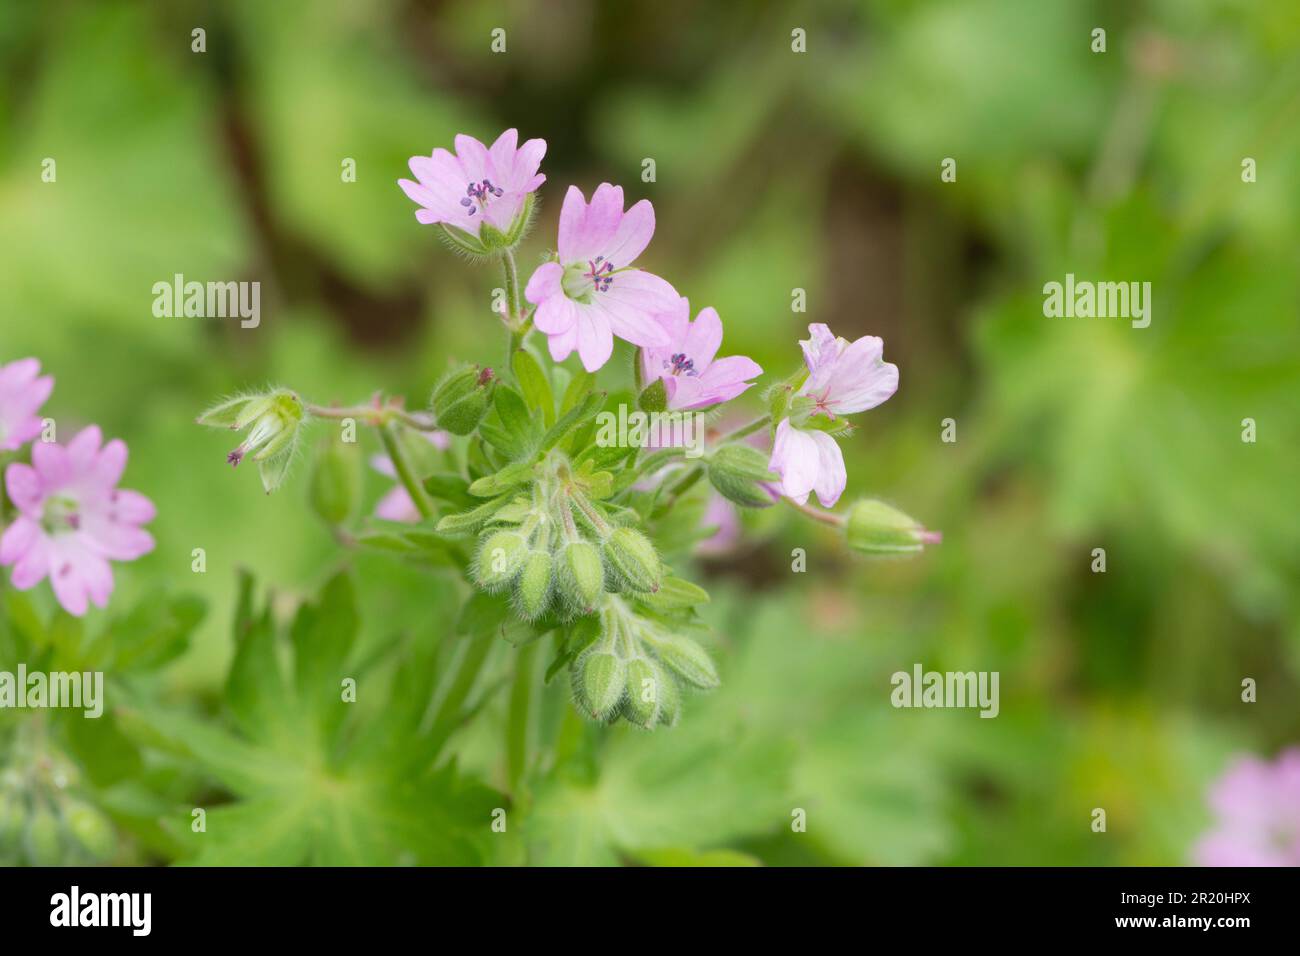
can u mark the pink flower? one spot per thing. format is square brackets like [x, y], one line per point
[1257, 805]
[477, 184]
[22, 393]
[686, 365]
[73, 519]
[721, 515]
[844, 378]
[592, 293]
[397, 504]
[807, 461]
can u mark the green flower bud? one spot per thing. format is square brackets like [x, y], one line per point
[874, 527]
[600, 678]
[632, 561]
[336, 481]
[740, 474]
[646, 681]
[653, 398]
[461, 400]
[580, 575]
[670, 702]
[533, 589]
[43, 840]
[91, 828]
[685, 657]
[501, 556]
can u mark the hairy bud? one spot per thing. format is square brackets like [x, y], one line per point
[580, 575]
[632, 561]
[500, 558]
[740, 474]
[461, 400]
[874, 527]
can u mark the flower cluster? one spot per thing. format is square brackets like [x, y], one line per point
[512, 481]
[1257, 814]
[71, 518]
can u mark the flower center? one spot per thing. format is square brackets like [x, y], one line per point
[60, 514]
[680, 364]
[477, 195]
[598, 277]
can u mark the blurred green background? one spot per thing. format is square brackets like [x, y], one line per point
[775, 170]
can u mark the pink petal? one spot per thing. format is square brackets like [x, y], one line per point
[586, 229]
[18, 539]
[17, 374]
[109, 465]
[704, 338]
[25, 487]
[474, 158]
[795, 458]
[861, 379]
[32, 567]
[51, 462]
[397, 506]
[633, 234]
[562, 344]
[84, 447]
[595, 341]
[544, 283]
[831, 474]
[131, 507]
[503, 154]
[556, 315]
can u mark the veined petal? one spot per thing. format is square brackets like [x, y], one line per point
[557, 314]
[831, 474]
[544, 282]
[595, 340]
[633, 234]
[795, 458]
[703, 338]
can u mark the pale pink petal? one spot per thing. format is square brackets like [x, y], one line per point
[633, 234]
[32, 567]
[862, 379]
[502, 153]
[84, 447]
[831, 474]
[544, 283]
[24, 487]
[69, 585]
[628, 321]
[18, 374]
[131, 507]
[585, 239]
[556, 315]
[18, 539]
[51, 462]
[397, 506]
[595, 341]
[564, 343]
[704, 338]
[796, 459]
[473, 157]
[109, 465]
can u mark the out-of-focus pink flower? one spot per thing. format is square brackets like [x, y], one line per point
[23, 390]
[397, 504]
[73, 519]
[592, 293]
[846, 377]
[476, 184]
[1257, 810]
[808, 460]
[692, 376]
[721, 514]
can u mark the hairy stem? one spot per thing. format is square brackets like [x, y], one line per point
[816, 514]
[402, 466]
[745, 430]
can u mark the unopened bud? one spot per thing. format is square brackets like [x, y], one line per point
[874, 527]
[580, 575]
[646, 682]
[600, 678]
[461, 400]
[740, 474]
[533, 589]
[273, 421]
[501, 555]
[632, 560]
[685, 657]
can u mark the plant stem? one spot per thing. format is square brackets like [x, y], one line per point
[745, 430]
[388, 436]
[817, 514]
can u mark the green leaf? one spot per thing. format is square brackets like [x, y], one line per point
[574, 417]
[536, 389]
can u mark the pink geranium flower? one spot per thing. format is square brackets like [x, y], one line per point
[1257, 810]
[73, 519]
[691, 375]
[23, 390]
[845, 377]
[592, 294]
[476, 184]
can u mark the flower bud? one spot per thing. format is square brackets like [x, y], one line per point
[632, 561]
[580, 575]
[336, 481]
[461, 400]
[685, 657]
[533, 589]
[874, 527]
[501, 555]
[600, 677]
[646, 682]
[740, 474]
